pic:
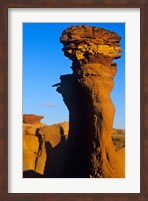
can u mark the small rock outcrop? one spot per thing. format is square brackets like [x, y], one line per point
[32, 119]
[86, 92]
[44, 149]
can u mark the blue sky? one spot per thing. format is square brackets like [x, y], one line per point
[44, 62]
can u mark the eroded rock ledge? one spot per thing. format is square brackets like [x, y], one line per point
[86, 92]
[32, 119]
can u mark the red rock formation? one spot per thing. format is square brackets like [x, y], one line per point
[86, 93]
[32, 119]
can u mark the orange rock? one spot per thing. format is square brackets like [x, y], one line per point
[86, 92]
[32, 119]
[30, 150]
[34, 153]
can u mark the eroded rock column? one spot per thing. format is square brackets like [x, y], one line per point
[86, 92]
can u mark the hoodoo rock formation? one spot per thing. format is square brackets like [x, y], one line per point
[86, 92]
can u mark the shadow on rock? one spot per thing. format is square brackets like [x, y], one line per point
[55, 162]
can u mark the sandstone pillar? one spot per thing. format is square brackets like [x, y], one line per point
[86, 92]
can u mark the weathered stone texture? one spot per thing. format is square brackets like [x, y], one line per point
[86, 92]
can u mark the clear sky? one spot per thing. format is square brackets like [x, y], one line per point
[44, 62]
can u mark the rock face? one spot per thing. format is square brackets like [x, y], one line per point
[32, 119]
[30, 150]
[86, 92]
[55, 137]
[53, 132]
[34, 153]
[44, 149]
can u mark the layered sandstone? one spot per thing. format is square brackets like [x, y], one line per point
[86, 92]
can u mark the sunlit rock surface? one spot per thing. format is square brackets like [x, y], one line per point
[86, 92]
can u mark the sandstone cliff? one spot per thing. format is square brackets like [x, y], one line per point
[86, 92]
